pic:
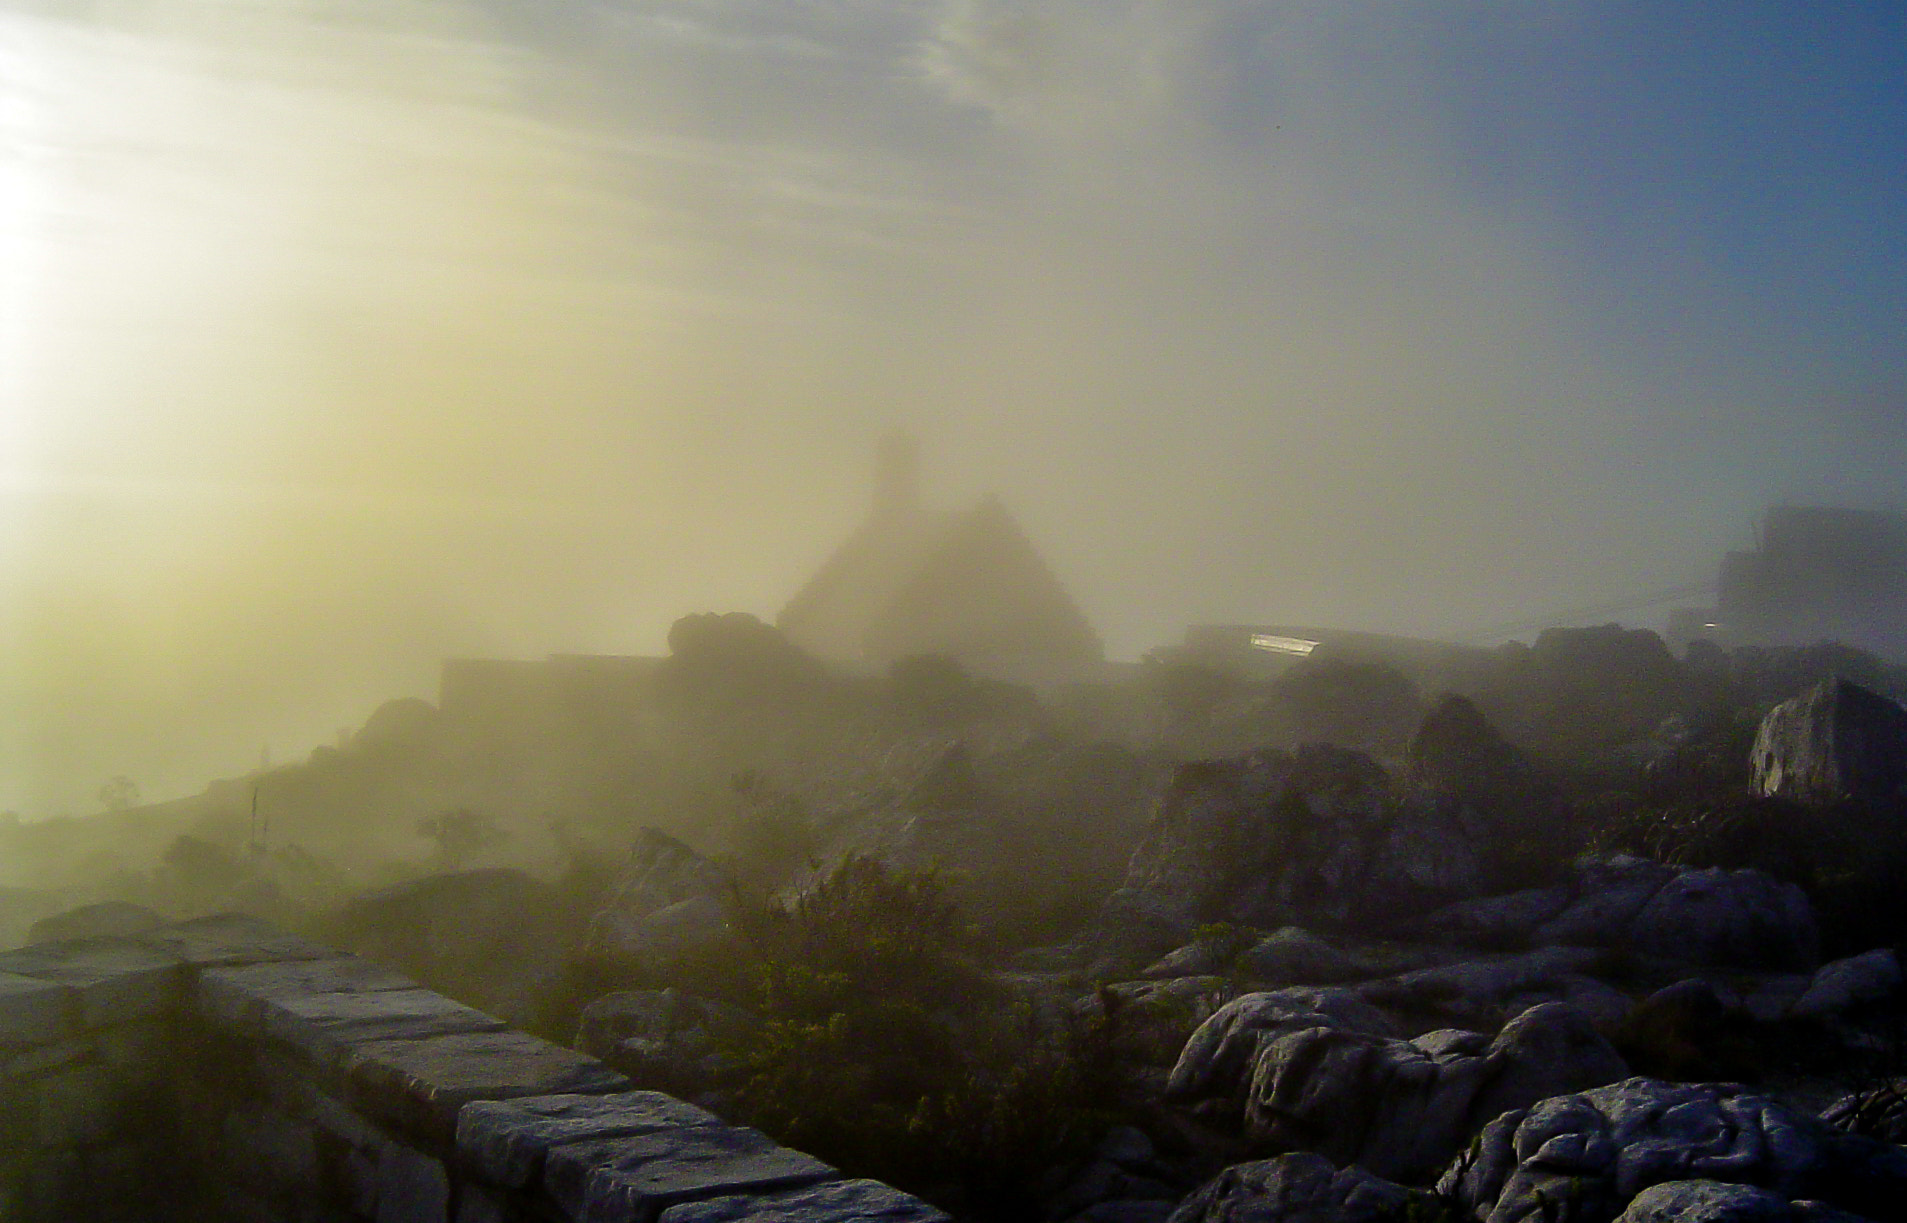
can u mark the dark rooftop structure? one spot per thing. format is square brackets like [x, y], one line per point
[965, 583]
[1816, 574]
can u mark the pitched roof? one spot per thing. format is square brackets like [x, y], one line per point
[913, 581]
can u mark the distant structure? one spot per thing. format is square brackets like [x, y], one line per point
[1816, 574]
[1269, 649]
[966, 583]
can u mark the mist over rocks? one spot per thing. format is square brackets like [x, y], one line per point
[900, 920]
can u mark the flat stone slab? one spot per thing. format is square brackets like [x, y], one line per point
[117, 980]
[325, 1026]
[508, 1139]
[632, 1180]
[35, 1012]
[231, 938]
[859, 1201]
[423, 1083]
[236, 997]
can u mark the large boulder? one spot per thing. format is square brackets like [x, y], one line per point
[1872, 976]
[484, 936]
[1461, 768]
[1735, 918]
[1836, 741]
[1312, 837]
[1217, 1060]
[663, 1039]
[1302, 1188]
[667, 904]
[1585, 1158]
[1476, 992]
[1402, 1109]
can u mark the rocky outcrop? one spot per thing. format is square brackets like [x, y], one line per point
[1587, 1157]
[667, 903]
[1301, 1188]
[1314, 837]
[662, 1038]
[1460, 771]
[1739, 918]
[1402, 1109]
[1834, 742]
[1216, 1061]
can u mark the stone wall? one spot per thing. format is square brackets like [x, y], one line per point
[219, 1069]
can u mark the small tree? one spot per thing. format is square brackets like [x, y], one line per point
[119, 794]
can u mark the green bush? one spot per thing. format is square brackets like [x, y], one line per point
[883, 1050]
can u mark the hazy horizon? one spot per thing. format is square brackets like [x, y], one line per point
[340, 336]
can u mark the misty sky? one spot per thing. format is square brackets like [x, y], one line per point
[340, 335]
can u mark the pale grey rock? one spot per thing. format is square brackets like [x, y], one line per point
[1402, 1108]
[1836, 741]
[1217, 1059]
[1706, 1202]
[1300, 1188]
[1590, 1154]
[1840, 985]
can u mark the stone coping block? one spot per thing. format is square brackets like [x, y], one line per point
[35, 1012]
[858, 1201]
[116, 980]
[421, 1084]
[632, 1180]
[231, 938]
[507, 1140]
[324, 1027]
[236, 998]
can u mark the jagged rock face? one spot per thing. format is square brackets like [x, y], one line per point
[1584, 1158]
[1301, 1188]
[669, 901]
[1401, 1108]
[1312, 837]
[1836, 741]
